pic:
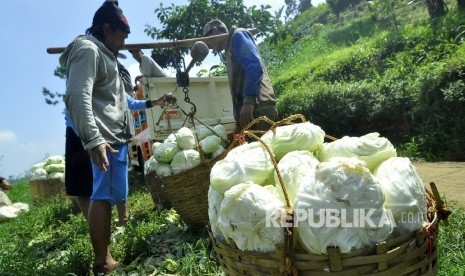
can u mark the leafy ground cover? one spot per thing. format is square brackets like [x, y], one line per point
[52, 239]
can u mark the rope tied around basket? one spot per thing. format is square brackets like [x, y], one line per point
[436, 212]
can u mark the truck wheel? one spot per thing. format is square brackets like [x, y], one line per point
[140, 161]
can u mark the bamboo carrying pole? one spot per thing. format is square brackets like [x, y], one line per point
[166, 44]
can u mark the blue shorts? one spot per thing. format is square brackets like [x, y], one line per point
[112, 186]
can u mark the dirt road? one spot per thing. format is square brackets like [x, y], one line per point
[449, 177]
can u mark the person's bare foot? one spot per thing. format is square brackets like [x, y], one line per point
[123, 219]
[122, 222]
[103, 269]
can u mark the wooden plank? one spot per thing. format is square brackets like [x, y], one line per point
[163, 44]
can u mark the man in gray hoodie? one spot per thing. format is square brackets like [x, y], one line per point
[97, 104]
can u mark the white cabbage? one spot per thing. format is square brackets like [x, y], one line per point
[56, 175]
[160, 168]
[220, 130]
[23, 207]
[404, 192]
[343, 185]
[37, 166]
[56, 159]
[294, 167]
[55, 168]
[210, 143]
[8, 212]
[219, 150]
[155, 145]
[39, 174]
[185, 138]
[170, 139]
[370, 148]
[214, 204]
[248, 162]
[149, 165]
[163, 169]
[203, 131]
[165, 152]
[4, 200]
[301, 136]
[243, 217]
[184, 160]
[13, 210]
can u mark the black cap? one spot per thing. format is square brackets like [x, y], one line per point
[110, 13]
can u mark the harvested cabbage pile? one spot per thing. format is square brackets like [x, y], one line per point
[52, 167]
[347, 193]
[181, 151]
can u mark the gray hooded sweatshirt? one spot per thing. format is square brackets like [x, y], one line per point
[95, 96]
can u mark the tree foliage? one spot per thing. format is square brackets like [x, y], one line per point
[436, 8]
[183, 22]
[338, 6]
[296, 7]
[53, 98]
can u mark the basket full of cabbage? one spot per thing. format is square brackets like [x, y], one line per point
[291, 204]
[178, 173]
[47, 178]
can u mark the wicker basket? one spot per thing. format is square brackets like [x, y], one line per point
[185, 192]
[414, 253]
[45, 189]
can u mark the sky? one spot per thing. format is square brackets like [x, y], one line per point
[31, 130]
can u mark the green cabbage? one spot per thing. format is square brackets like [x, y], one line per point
[210, 143]
[56, 175]
[203, 131]
[37, 166]
[55, 168]
[185, 138]
[56, 159]
[184, 160]
[220, 130]
[155, 145]
[39, 174]
[170, 139]
[219, 150]
[165, 152]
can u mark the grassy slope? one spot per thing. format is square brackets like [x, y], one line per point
[353, 75]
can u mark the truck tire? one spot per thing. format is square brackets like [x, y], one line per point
[140, 161]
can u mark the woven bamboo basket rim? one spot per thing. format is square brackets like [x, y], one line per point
[285, 260]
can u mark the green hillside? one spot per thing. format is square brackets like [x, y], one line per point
[391, 70]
